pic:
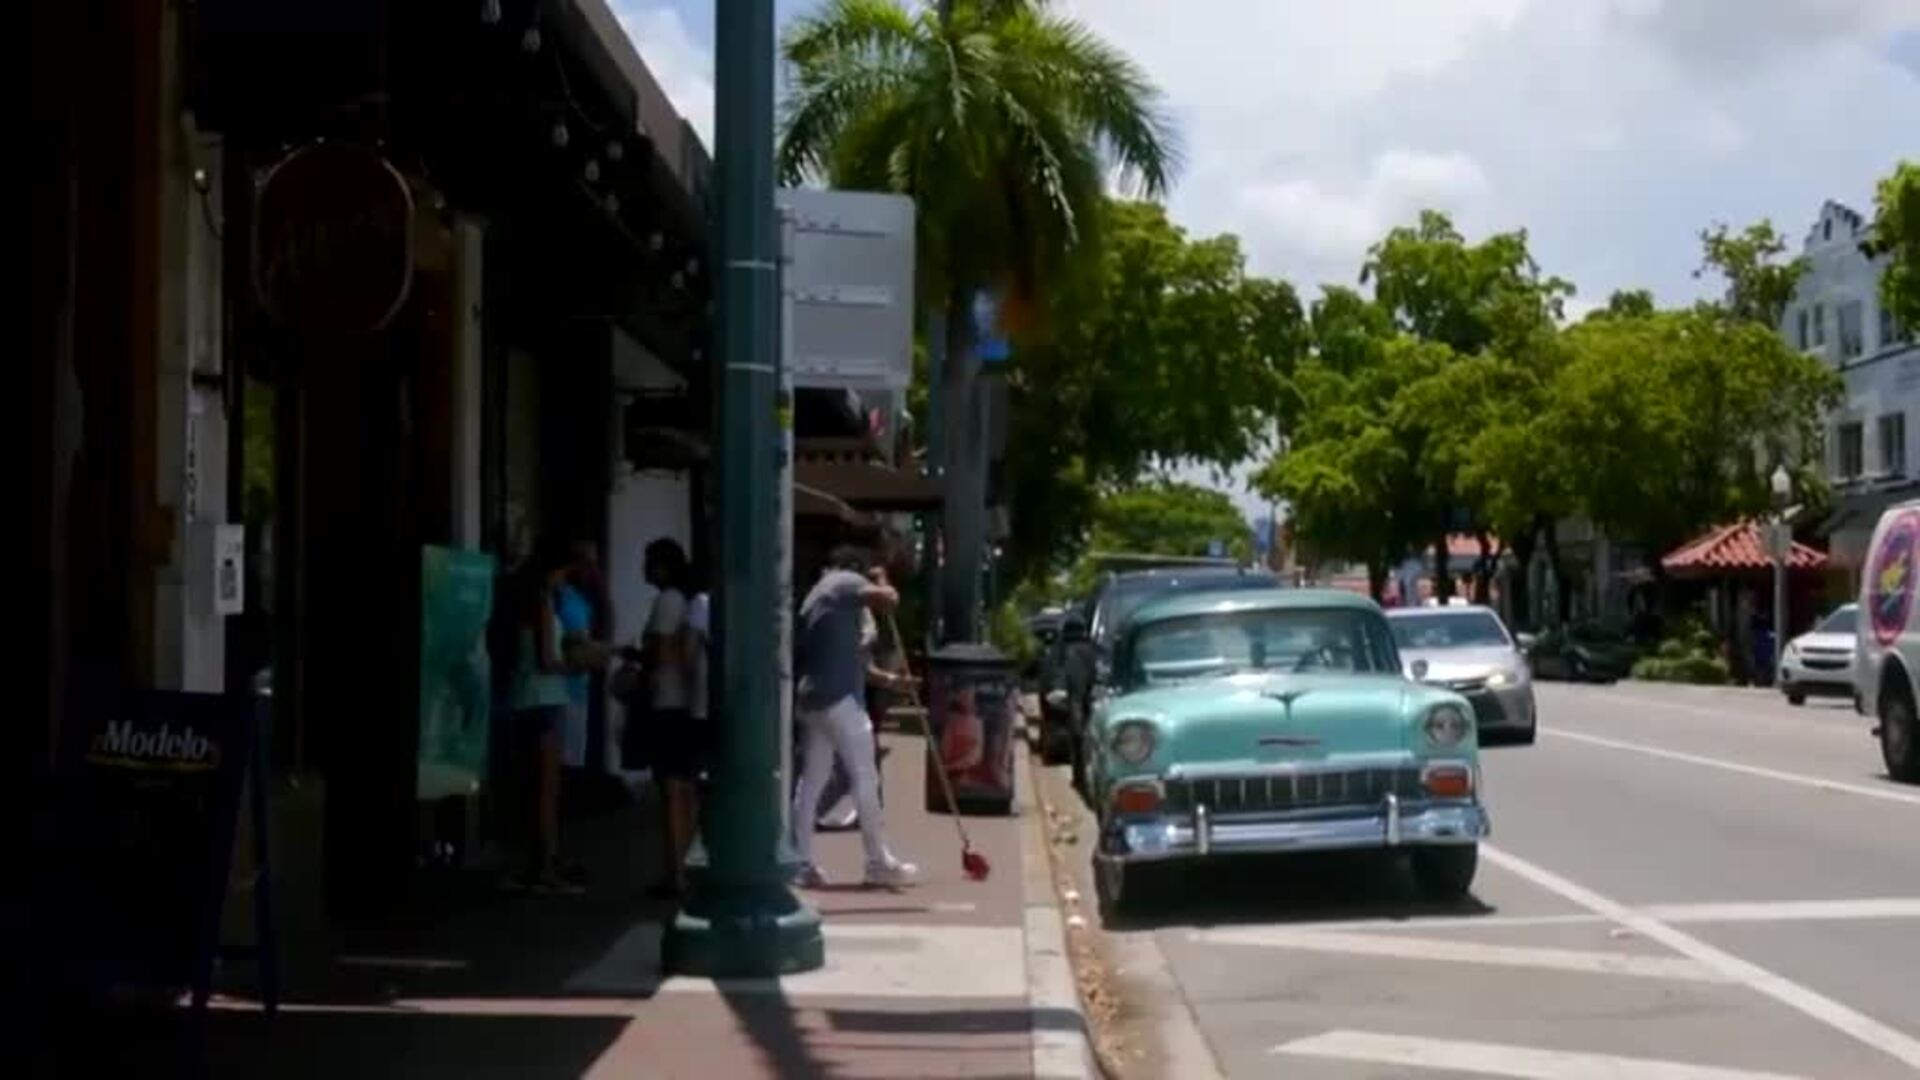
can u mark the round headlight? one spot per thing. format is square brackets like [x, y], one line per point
[1447, 725]
[1133, 741]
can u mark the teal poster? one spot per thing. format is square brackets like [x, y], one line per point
[456, 600]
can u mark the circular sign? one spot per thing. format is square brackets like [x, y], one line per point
[1891, 572]
[333, 240]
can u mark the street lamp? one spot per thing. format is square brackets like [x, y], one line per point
[1782, 543]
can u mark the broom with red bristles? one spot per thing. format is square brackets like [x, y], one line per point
[972, 863]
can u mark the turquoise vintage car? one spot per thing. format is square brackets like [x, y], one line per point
[1277, 721]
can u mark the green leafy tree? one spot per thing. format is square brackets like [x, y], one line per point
[1168, 517]
[1169, 351]
[1676, 419]
[1896, 232]
[1760, 282]
[1004, 121]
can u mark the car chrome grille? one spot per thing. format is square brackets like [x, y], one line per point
[1279, 792]
[1465, 686]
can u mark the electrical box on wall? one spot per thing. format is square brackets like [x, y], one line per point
[220, 567]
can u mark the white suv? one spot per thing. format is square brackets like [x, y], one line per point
[1887, 660]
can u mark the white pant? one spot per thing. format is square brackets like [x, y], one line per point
[841, 728]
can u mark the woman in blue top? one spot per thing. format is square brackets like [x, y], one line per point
[538, 700]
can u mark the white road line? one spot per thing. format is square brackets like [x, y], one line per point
[1401, 947]
[1887, 1040]
[1787, 911]
[1762, 911]
[1802, 779]
[1493, 1059]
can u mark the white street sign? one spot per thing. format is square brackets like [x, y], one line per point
[848, 278]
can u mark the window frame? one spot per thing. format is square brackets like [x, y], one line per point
[1859, 446]
[1893, 450]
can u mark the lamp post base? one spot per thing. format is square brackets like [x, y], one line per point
[736, 931]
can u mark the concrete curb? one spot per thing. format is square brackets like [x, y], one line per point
[1060, 1051]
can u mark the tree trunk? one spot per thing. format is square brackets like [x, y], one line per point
[1442, 570]
[963, 523]
[1520, 592]
[1483, 570]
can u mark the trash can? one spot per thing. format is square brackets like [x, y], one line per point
[972, 693]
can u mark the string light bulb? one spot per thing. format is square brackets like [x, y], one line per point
[490, 12]
[591, 171]
[560, 135]
[616, 151]
[612, 203]
[530, 40]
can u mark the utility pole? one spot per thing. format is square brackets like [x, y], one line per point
[742, 919]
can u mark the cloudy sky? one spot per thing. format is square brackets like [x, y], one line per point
[1612, 130]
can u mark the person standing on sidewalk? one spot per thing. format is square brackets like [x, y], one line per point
[538, 702]
[677, 739]
[832, 668]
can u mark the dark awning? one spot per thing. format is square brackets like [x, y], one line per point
[870, 485]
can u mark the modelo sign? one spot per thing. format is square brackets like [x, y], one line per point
[333, 241]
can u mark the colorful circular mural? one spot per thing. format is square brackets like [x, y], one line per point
[1890, 577]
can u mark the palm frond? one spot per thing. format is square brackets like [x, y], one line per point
[875, 28]
[1106, 91]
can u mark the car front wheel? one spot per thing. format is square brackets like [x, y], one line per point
[1446, 873]
[1127, 890]
[1796, 699]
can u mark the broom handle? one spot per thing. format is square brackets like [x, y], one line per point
[926, 728]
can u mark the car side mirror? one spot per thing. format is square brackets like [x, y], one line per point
[1419, 670]
[1526, 642]
[1057, 700]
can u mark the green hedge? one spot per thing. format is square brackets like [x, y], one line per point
[1687, 667]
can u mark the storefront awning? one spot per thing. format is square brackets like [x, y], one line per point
[870, 485]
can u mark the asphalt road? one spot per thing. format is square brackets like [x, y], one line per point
[1683, 884]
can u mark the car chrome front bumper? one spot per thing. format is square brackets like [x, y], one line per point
[1391, 824]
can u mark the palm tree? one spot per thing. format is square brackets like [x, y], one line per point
[1004, 122]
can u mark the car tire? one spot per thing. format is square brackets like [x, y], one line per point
[1126, 891]
[1796, 700]
[1899, 742]
[1577, 671]
[1446, 873]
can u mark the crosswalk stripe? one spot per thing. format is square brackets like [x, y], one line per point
[1495, 1059]
[1404, 947]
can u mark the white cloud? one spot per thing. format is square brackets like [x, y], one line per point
[1300, 221]
[682, 65]
[1612, 130]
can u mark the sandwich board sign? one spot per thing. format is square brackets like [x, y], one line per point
[847, 288]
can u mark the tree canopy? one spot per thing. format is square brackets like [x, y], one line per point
[1896, 232]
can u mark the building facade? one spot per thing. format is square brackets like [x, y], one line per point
[1873, 437]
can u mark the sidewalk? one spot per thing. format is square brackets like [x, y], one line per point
[952, 978]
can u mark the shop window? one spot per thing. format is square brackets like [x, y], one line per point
[1893, 444]
[1852, 451]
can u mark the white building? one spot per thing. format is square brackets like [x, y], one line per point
[1873, 437]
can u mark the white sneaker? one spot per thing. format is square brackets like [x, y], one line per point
[846, 818]
[893, 874]
[809, 877]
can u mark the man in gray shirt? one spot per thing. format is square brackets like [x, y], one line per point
[831, 691]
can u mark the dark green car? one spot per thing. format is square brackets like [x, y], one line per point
[1584, 653]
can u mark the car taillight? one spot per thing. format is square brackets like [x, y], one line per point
[1136, 798]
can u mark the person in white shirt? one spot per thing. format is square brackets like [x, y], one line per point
[677, 737]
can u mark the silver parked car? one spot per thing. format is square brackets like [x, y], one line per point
[1819, 663]
[1466, 648]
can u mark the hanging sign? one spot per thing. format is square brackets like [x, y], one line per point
[333, 241]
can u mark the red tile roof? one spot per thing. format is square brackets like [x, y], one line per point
[1735, 548]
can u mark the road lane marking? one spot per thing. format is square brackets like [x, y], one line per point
[1787, 911]
[1733, 766]
[1760, 911]
[1400, 947]
[1494, 1059]
[1896, 1044]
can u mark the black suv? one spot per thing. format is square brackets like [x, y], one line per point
[1087, 637]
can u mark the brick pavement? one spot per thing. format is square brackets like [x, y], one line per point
[939, 980]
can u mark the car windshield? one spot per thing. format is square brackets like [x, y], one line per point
[1449, 630]
[1130, 593]
[1842, 621]
[1284, 640]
